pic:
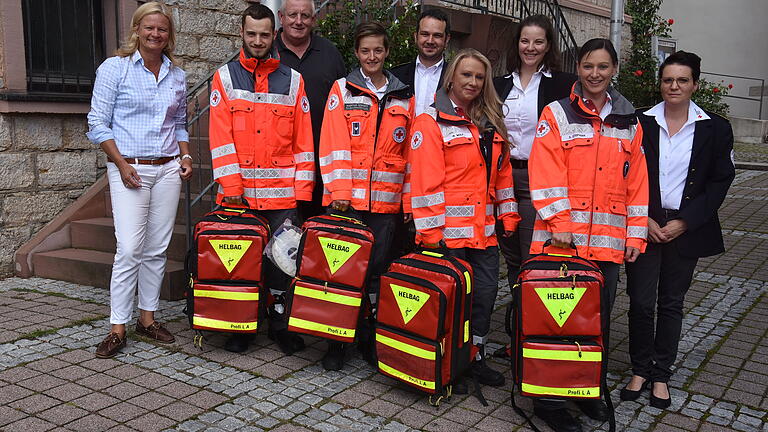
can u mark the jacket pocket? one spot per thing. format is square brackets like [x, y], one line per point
[282, 161]
[458, 153]
[284, 120]
[241, 115]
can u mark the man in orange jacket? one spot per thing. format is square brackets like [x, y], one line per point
[362, 153]
[261, 148]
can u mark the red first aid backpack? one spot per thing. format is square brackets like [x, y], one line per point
[560, 319]
[225, 267]
[326, 296]
[423, 333]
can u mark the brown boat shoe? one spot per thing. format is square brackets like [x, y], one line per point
[111, 345]
[155, 331]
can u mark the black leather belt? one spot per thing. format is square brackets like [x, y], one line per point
[519, 163]
[137, 161]
[670, 214]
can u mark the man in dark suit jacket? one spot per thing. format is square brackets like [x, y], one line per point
[689, 153]
[425, 74]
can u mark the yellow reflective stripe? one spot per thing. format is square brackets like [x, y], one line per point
[327, 296]
[227, 295]
[434, 254]
[406, 348]
[429, 385]
[322, 328]
[560, 255]
[223, 325]
[562, 355]
[466, 331]
[469, 282]
[562, 391]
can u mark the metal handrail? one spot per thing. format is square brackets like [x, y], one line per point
[753, 99]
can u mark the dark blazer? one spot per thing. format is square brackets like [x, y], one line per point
[710, 173]
[406, 73]
[551, 89]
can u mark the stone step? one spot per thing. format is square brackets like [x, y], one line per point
[98, 234]
[94, 268]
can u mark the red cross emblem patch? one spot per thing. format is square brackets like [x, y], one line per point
[305, 104]
[215, 98]
[416, 140]
[399, 134]
[542, 129]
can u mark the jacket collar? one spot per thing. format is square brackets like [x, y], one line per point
[397, 88]
[446, 113]
[267, 65]
[622, 112]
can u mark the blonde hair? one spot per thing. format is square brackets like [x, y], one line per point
[131, 43]
[487, 106]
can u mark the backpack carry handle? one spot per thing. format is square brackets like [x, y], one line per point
[548, 243]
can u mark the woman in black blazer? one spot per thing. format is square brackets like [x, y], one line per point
[533, 82]
[689, 153]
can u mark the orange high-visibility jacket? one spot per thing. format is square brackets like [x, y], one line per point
[363, 143]
[455, 189]
[588, 177]
[261, 134]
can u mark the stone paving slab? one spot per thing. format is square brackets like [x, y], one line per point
[50, 379]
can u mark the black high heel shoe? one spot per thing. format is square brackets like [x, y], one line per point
[660, 403]
[630, 395]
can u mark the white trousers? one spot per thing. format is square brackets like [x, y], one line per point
[144, 219]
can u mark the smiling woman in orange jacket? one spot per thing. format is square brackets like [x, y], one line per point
[589, 185]
[362, 153]
[460, 178]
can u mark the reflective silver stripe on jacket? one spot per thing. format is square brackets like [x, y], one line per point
[429, 222]
[382, 196]
[359, 174]
[607, 242]
[358, 193]
[612, 132]
[267, 173]
[507, 207]
[428, 200]
[337, 174]
[336, 155]
[637, 231]
[505, 194]
[489, 209]
[263, 193]
[389, 177]
[542, 235]
[225, 150]
[268, 98]
[598, 218]
[569, 131]
[450, 132]
[554, 208]
[458, 232]
[633, 210]
[226, 170]
[304, 157]
[406, 188]
[553, 192]
[404, 103]
[305, 175]
[459, 211]
[490, 230]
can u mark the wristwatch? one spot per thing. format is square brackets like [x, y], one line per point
[186, 156]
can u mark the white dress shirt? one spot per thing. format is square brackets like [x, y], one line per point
[521, 113]
[675, 153]
[379, 92]
[425, 82]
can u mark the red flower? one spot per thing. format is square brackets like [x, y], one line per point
[638, 72]
[716, 90]
[670, 21]
[730, 86]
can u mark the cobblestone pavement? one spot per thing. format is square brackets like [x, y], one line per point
[49, 378]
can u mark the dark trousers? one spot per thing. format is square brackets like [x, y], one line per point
[657, 283]
[274, 278]
[516, 248]
[611, 273]
[383, 226]
[485, 283]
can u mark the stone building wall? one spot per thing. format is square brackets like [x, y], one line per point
[46, 162]
[208, 32]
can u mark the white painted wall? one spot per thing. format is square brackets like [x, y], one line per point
[731, 37]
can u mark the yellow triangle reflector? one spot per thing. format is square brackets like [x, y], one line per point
[230, 251]
[337, 252]
[410, 301]
[560, 302]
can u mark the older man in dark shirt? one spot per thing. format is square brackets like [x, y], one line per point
[319, 63]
